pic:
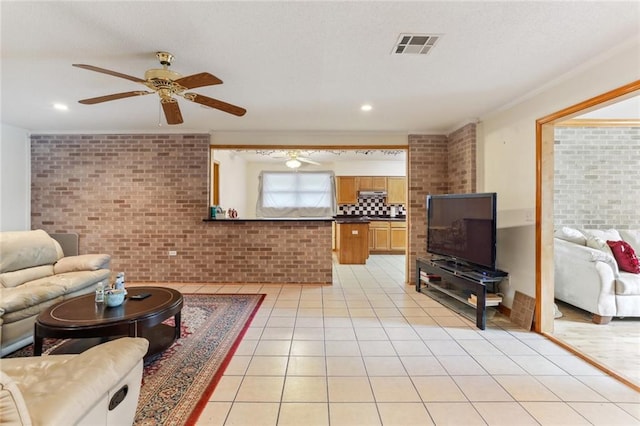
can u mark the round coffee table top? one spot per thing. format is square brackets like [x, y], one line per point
[82, 311]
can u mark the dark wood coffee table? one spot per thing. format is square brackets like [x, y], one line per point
[88, 323]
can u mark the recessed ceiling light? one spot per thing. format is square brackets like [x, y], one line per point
[61, 107]
[366, 107]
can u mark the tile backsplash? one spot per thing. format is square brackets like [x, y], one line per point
[371, 207]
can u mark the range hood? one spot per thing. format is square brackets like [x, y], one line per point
[372, 194]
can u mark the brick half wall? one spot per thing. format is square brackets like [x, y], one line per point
[136, 197]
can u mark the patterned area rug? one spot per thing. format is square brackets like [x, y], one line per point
[177, 385]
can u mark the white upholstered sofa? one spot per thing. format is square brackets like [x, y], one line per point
[98, 387]
[588, 276]
[35, 274]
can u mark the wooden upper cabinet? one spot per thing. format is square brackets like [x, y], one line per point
[372, 183]
[347, 189]
[396, 190]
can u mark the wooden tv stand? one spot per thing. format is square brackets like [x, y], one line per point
[458, 282]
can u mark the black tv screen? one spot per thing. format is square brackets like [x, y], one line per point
[463, 227]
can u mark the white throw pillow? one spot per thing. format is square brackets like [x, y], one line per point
[606, 235]
[599, 244]
[570, 234]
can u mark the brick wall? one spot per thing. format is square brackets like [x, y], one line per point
[597, 177]
[462, 160]
[437, 165]
[428, 166]
[138, 196]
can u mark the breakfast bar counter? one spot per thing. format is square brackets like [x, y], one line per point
[266, 251]
[274, 219]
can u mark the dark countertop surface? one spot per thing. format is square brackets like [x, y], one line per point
[344, 218]
[274, 219]
[341, 218]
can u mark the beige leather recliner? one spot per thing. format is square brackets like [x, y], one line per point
[98, 387]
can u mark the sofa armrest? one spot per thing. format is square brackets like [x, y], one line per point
[60, 389]
[82, 262]
[584, 277]
[14, 410]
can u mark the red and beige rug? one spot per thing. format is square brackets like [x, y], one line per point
[177, 385]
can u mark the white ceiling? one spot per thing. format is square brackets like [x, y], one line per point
[624, 109]
[296, 66]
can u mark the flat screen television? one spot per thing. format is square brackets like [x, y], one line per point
[462, 227]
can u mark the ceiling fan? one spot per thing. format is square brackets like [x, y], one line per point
[166, 84]
[295, 160]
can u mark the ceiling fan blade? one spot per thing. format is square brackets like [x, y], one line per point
[172, 111]
[109, 72]
[113, 97]
[309, 161]
[214, 103]
[198, 80]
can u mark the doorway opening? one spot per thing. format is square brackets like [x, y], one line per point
[544, 264]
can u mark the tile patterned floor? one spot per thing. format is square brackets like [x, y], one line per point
[370, 350]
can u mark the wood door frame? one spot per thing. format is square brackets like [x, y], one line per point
[544, 262]
[215, 183]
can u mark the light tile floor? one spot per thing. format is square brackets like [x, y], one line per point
[370, 350]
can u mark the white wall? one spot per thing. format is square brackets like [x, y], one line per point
[15, 179]
[370, 168]
[232, 180]
[507, 141]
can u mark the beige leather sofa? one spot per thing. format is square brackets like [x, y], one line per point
[98, 387]
[35, 274]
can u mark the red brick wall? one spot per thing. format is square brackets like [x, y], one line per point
[428, 171]
[138, 196]
[462, 160]
[437, 165]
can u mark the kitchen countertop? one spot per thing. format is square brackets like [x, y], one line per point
[341, 218]
[345, 218]
[275, 219]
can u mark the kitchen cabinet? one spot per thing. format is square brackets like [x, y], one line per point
[334, 237]
[379, 236]
[396, 190]
[372, 183]
[387, 236]
[353, 238]
[398, 237]
[347, 189]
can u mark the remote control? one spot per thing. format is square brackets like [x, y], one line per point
[140, 296]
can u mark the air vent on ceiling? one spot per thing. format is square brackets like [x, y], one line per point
[415, 44]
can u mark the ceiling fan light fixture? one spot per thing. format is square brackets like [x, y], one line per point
[293, 163]
[166, 84]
